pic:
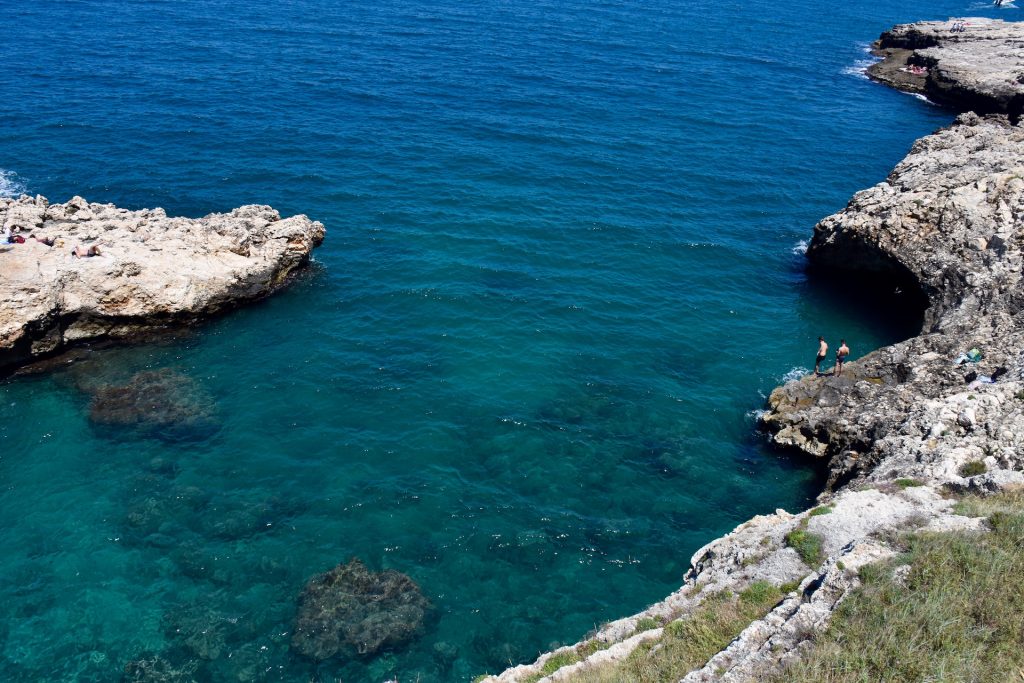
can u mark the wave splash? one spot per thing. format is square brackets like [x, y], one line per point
[794, 374]
[860, 67]
[10, 185]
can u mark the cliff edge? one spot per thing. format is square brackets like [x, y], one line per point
[151, 271]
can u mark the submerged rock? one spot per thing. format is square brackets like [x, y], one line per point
[160, 402]
[152, 270]
[235, 519]
[199, 629]
[156, 669]
[158, 514]
[351, 610]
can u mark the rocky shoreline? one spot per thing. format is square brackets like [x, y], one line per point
[907, 425]
[153, 272]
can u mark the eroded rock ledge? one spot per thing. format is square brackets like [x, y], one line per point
[153, 270]
[905, 425]
[979, 68]
[951, 215]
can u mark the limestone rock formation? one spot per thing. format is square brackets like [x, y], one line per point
[353, 611]
[979, 68]
[948, 220]
[152, 271]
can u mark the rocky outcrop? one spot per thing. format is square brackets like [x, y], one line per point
[949, 221]
[152, 270]
[905, 426]
[974, 64]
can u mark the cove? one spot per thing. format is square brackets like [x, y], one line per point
[562, 268]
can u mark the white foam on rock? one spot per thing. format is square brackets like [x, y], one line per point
[860, 67]
[794, 374]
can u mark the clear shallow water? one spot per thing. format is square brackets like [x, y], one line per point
[560, 273]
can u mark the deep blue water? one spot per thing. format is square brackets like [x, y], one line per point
[562, 268]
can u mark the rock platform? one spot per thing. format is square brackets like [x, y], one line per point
[907, 426]
[979, 68]
[153, 271]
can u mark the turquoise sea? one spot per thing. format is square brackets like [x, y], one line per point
[563, 269]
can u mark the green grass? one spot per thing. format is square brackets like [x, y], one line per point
[553, 664]
[907, 483]
[807, 545]
[646, 624]
[986, 506]
[958, 616]
[577, 654]
[690, 642]
[821, 510]
[760, 592]
[970, 469]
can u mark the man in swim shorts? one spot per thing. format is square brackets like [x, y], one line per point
[841, 353]
[822, 352]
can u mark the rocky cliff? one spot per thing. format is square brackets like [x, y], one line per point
[905, 426]
[971, 64]
[151, 271]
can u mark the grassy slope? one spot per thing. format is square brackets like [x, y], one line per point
[953, 612]
[958, 615]
[688, 643]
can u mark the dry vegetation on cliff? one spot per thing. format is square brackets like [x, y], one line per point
[689, 642]
[950, 608]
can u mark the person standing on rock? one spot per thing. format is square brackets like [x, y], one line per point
[841, 353]
[822, 352]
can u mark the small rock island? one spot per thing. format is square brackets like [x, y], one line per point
[149, 272]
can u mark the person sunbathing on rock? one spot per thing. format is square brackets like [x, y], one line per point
[82, 252]
[48, 241]
[11, 236]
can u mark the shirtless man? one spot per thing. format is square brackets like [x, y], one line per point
[82, 252]
[841, 353]
[822, 352]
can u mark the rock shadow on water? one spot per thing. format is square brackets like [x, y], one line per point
[353, 612]
[890, 301]
[162, 403]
